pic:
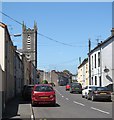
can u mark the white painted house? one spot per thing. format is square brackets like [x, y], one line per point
[101, 58]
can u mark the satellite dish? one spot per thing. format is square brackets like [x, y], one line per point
[106, 70]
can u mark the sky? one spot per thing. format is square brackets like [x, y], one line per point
[68, 24]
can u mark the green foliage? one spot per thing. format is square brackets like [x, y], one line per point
[44, 82]
[66, 71]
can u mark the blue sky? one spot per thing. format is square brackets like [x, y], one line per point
[70, 23]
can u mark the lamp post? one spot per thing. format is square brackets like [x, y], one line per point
[16, 35]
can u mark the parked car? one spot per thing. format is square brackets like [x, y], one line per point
[86, 89]
[99, 93]
[110, 87]
[75, 87]
[52, 83]
[43, 94]
[68, 86]
[26, 92]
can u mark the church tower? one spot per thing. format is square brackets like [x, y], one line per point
[30, 43]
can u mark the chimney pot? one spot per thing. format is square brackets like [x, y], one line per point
[112, 32]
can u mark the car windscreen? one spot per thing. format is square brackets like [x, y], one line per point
[43, 89]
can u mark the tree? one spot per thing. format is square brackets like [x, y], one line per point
[44, 82]
[66, 71]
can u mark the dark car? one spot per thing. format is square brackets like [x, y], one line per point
[27, 90]
[76, 87]
[99, 93]
[52, 83]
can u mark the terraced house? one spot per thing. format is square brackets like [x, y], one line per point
[102, 66]
[15, 69]
[83, 73]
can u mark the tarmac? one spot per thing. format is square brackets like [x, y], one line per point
[18, 109]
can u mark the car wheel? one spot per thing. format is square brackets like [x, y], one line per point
[92, 98]
[33, 104]
[110, 100]
[53, 104]
[85, 97]
[70, 91]
[88, 98]
[82, 96]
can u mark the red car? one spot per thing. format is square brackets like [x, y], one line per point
[68, 87]
[43, 94]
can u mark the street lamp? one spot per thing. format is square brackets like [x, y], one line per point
[16, 35]
[106, 70]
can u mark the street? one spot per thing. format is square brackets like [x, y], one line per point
[73, 106]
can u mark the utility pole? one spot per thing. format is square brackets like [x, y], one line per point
[89, 62]
[79, 60]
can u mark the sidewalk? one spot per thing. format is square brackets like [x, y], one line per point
[18, 109]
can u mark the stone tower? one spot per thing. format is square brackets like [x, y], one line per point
[30, 43]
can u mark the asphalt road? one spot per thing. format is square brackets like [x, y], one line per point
[73, 106]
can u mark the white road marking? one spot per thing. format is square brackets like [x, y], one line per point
[32, 117]
[67, 99]
[79, 103]
[100, 110]
[58, 92]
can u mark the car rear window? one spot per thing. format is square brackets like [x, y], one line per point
[92, 87]
[77, 85]
[102, 89]
[43, 89]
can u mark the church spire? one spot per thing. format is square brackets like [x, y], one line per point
[35, 25]
[23, 26]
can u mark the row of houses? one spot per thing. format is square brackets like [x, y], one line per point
[56, 77]
[98, 67]
[15, 70]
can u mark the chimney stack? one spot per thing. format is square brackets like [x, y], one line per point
[112, 32]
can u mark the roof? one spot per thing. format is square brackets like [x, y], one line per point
[101, 44]
[3, 25]
[83, 63]
[6, 29]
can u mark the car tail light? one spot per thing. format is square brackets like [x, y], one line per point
[51, 96]
[33, 95]
[95, 92]
[109, 92]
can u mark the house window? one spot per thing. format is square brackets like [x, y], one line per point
[95, 80]
[98, 59]
[95, 60]
[92, 81]
[92, 62]
[100, 82]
